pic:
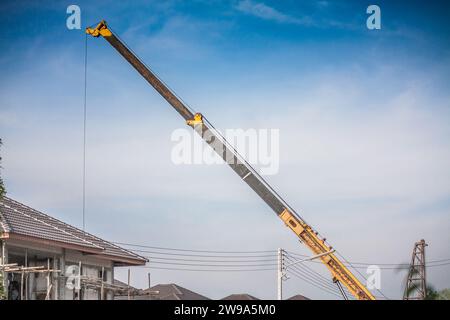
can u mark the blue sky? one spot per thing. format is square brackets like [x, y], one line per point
[363, 118]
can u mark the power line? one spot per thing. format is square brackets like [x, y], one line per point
[303, 268]
[296, 274]
[165, 256]
[438, 265]
[219, 267]
[379, 264]
[256, 254]
[314, 281]
[385, 266]
[214, 265]
[311, 276]
[209, 270]
[350, 296]
[241, 262]
[84, 129]
[190, 250]
[202, 255]
[208, 260]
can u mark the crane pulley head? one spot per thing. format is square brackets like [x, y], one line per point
[198, 119]
[100, 30]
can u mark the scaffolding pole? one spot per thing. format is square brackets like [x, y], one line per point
[25, 271]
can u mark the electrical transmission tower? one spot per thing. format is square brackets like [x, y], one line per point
[416, 284]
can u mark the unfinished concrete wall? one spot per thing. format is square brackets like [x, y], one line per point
[34, 286]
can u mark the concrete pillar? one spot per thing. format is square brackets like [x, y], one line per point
[62, 278]
[32, 280]
[4, 260]
[111, 293]
[55, 279]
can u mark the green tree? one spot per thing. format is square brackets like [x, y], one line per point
[444, 294]
[432, 294]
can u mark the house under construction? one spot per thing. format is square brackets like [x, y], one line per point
[44, 258]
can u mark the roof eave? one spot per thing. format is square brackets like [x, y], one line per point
[126, 261]
[95, 252]
[55, 243]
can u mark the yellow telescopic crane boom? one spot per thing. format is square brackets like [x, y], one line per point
[305, 232]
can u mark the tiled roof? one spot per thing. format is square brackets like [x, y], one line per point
[174, 292]
[241, 296]
[298, 297]
[19, 219]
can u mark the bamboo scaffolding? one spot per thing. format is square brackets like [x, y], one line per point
[25, 271]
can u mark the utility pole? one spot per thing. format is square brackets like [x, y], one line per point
[280, 274]
[129, 276]
[149, 283]
[416, 284]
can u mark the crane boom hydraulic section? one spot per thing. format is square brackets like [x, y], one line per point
[305, 232]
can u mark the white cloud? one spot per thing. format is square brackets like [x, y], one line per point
[263, 11]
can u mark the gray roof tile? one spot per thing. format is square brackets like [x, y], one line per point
[174, 292]
[240, 296]
[298, 297]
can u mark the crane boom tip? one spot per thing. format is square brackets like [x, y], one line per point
[100, 30]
